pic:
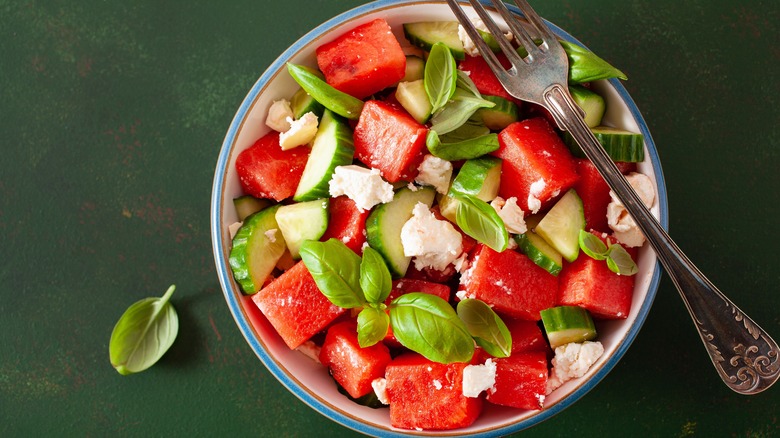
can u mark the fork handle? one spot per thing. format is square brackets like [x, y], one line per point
[744, 355]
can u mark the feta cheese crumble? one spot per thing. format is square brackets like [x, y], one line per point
[468, 45]
[622, 224]
[534, 204]
[364, 186]
[278, 114]
[433, 171]
[271, 234]
[478, 378]
[380, 389]
[510, 213]
[310, 350]
[572, 361]
[432, 242]
[301, 132]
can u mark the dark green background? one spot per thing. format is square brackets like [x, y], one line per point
[111, 118]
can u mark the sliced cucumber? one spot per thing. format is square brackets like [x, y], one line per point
[566, 324]
[257, 247]
[248, 204]
[332, 147]
[383, 226]
[479, 177]
[561, 226]
[590, 102]
[540, 252]
[415, 68]
[621, 145]
[501, 115]
[414, 99]
[302, 221]
[425, 34]
[302, 103]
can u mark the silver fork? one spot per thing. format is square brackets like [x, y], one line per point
[744, 355]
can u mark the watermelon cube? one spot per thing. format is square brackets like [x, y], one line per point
[364, 60]
[352, 366]
[510, 283]
[483, 77]
[589, 283]
[521, 381]
[347, 223]
[428, 395]
[294, 305]
[526, 336]
[594, 192]
[537, 164]
[389, 139]
[266, 171]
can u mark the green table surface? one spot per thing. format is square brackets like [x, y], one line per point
[112, 116]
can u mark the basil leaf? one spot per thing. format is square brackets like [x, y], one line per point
[586, 66]
[592, 245]
[467, 131]
[428, 325]
[375, 280]
[479, 220]
[440, 76]
[487, 328]
[465, 149]
[372, 325]
[336, 270]
[619, 261]
[337, 101]
[465, 83]
[457, 112]
[143, 334]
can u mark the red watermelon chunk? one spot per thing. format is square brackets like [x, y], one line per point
[526, 336]
[352, 366]
[347, 223]
[521, 381]
[590, 284]
[389, 139]
[364, 60]
[483, 77]
[428, 395]
[510, 283]
[266, 171]
[594, 192]
[294, 305]
[535, 158]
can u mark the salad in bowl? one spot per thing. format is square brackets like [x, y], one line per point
[411, 250]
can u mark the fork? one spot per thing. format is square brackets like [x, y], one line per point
[744, 355]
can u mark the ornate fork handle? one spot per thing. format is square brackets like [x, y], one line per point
[745, 356]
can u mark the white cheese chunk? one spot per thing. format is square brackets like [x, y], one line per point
[364, 186]
[233, 229]
[278, 114]
[380, 389]
[310, 350]
[433, 171]
[510, 213]
[572, 361]
[478, 378]
[432, 242]
[624, 228]
[534, 203]
[301, 132]
[468, 44]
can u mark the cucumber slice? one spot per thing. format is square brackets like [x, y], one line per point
[302, 103]
[248, 204]
[621, 145]
[302, 221]
[415, 68]
[540, 252]
[414, 99]
[383, 226]
[479, 177]
[332, 147]
[257, 247]
[501, 115]
[561, 226]
[590, 102]
[425, 34]
[566, 324]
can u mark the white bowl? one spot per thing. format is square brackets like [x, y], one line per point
[310, 381]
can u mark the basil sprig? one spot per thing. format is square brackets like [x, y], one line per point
[487, 328]
[440, 76]
[479, 220]
[143, 334]
[618, 259]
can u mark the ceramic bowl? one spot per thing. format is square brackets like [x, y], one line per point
[310, 381]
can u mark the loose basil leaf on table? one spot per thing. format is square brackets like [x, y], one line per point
[428, 325]
[479, 220]
[372, 325]
[487, 328]
[375, 279]
[337, 101]
[440, 76]
[336, 270]
[144, 332]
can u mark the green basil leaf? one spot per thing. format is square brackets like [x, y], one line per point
[467, 131]
[336, 270]
[586, 66]
[592, 245]
[619, 261]
[440, 76]
[465, 149]
[457, 111]
[375, 279]
[487, 328]
[337, 101]
[479, 220]
[143, 334]
[428, 325]
[465, 83]
[372, 326]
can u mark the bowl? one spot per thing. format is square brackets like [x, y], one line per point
[310, 381]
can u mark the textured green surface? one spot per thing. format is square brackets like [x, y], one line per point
[112, 115]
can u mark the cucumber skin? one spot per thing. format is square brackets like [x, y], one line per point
[621, 146]
[342, 155]
[446, 32]
[388, 241]
[590, 102]
[252, 233]
[504, 113]
[538, 255]
[246, 205]
[302, 103]
[473, 175]
[565, 324]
